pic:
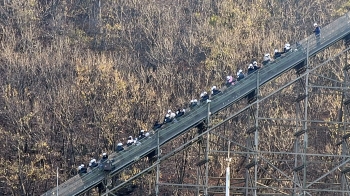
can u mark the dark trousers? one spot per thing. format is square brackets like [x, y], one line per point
[318, 39]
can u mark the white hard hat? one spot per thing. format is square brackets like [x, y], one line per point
[228, 77]
[315, 24]
[167, 115]
[142, 131]
[104, 154]
[195, 100]
[240, 71]
[255, 63]
[205, 92]
[147, 134]
[79, 167]
[169, 111]
[120, 144]
[276, 50]
[214, 87]
[192, 100]
[82, 165]
[92, 160]
[250, 65]
[267, 54]
[183, 110]
[202, 94]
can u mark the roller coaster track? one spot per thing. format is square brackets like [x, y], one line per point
[332, 33]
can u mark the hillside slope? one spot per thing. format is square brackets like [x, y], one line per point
[77, 78]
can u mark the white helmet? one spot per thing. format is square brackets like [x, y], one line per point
[255, 63]
[120, 144]
[287, 46]
[169, 111]
[104, 154]
[315, 24]
[214, 87]
[240, 71]
[250, 66]
[238, 74]
[202, 94]
[267, 57]
[183, 110]
[92, 160]
[228, 77]
[205, 92]
[167, 115]
[276, 50]
[192, 100]
[82, 165]
[147, 134]
[79, 167]
[195, 100]
[142, 131]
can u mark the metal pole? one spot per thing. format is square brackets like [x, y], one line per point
[198, 181]
[305, 117]
[343, 177]
[228, 170]
[343, 145]
[246, 191]
[207, 153]
[256, 135]
[296, 150]
[157, 175]
[295, 165]
[57, 181]
[344, 119]
[99, 12]
[228, 179]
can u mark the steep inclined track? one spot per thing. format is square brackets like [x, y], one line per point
[335, 31]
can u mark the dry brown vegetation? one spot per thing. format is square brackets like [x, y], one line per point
[77, 78]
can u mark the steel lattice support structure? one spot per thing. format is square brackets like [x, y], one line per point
[253, 183]
[282, 142]
[298, 176]
[345, 117]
